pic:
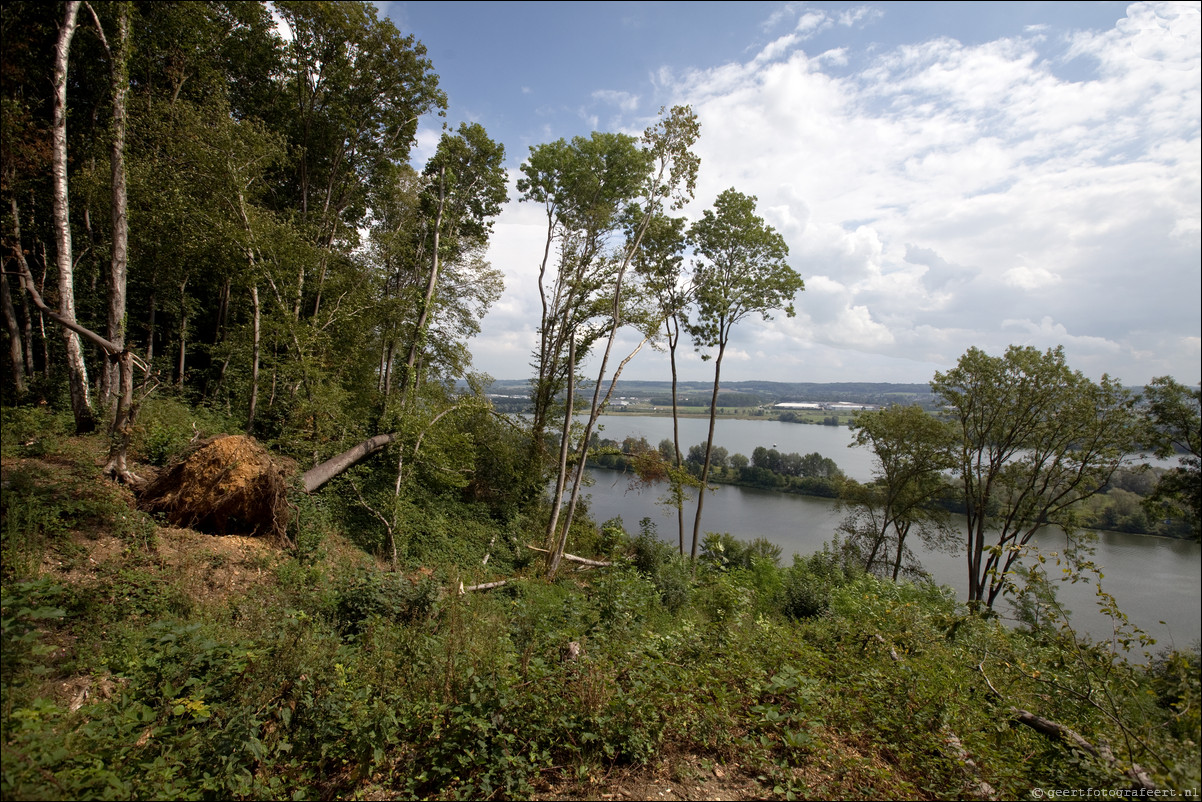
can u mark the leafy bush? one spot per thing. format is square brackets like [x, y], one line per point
[387, 595]
[32, 431]
[165, 427]
[810, 581]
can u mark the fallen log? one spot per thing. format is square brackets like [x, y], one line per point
[573, 558]
[1055, 729]
[230, 483]
[972, 771]
[482, 586]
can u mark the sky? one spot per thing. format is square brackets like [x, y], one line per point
[945, 175]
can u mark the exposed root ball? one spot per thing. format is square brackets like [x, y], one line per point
[228, 485]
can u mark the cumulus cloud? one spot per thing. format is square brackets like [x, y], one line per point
[625, 101]
[938, 195]
[942, 193]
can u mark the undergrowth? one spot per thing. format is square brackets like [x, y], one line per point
[333, 675]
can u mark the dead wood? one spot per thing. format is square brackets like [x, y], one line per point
[482, 586]
[1102, 752]
[979, 787]
[227, 485]
[573, 558]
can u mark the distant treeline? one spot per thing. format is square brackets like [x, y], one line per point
[766, 469]
[765, 392]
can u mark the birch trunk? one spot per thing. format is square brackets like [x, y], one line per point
[254, 360]
[77, 372]
[15, 352]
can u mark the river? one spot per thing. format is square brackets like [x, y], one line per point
[1154, 580]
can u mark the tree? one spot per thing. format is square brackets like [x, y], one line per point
[1033, 438]
[465, 190]
[912, 451]
[668, 183]
[583, 187]
[660, 263]
[357, 88]
[1173, 414]
[741, 271]
[592, 191]
[118, 56]
[77, 372]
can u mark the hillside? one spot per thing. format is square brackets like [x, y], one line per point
[149, 661]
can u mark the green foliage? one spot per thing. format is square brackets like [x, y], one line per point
[32, 431]
[1033, 439]
[1174, 428]
[810, 582]
[45, 505]
[165, 427]
[392, 597]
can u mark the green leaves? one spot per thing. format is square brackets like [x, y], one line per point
[1035, 438]
[741, 269]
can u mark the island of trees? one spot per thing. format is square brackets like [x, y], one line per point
[264, 534]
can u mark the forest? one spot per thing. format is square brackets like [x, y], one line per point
[265, 535]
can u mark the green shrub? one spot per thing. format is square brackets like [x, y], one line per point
[662, 564]
[165, 427]
[807, 585]
[387, 595]
[32, 431]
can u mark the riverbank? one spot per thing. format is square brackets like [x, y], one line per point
[1119, 508]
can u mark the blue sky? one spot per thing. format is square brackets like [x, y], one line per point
[946, 175]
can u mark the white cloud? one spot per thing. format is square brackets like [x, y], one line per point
[1016, 191]
[625, 101]
[939, 195]
[1030, 278]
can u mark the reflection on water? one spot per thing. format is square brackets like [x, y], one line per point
[1153, 579]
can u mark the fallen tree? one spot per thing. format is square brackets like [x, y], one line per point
[231, 483]
[123, 416]
[225, 484]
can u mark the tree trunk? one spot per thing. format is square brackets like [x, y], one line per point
[15, 351]
[223, 310]
[125, 410]
[27, 333]
[183, 333]
[77, 371]
[21, 345]
[431, 284]
[154, 298]
[562, 472]
[254, 360]
[1055, 729]
[318, 475]
[119, 59]
[673, 341]
[709, 447]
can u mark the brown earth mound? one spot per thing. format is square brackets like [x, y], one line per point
[228, 485]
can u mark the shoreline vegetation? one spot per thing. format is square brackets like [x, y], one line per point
[1120, 507]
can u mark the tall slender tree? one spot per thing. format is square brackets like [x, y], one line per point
[741, 271]
[661, 264]
[669, 183]
[465, 190]
[77, 371]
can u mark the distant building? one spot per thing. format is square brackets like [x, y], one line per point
[795, 405]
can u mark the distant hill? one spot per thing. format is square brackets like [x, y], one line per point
[768, 392]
